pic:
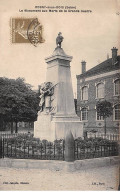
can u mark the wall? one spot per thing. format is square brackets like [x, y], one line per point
[60, 165]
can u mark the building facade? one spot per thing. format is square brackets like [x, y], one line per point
[101, 82]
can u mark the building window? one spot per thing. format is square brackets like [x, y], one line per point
[84, 114]
[117, 112]
[100, 90]
[85, 93]
[99, 118]
[117, 87]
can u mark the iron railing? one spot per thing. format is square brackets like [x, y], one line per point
[109, 136]
[42, 151]
[11, 135]
[95, 151]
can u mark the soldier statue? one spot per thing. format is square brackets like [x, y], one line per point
[59, 39]
[46, 89]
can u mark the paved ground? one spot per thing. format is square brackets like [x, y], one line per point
[29, 179]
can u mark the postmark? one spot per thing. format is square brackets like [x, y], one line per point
[26, 30]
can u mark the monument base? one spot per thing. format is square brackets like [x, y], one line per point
[55, 127]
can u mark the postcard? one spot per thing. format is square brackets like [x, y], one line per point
[59, 95]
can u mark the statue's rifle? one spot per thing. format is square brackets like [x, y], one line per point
[48, 90]
[53, 86]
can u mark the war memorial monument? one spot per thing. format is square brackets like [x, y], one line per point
[57, 110]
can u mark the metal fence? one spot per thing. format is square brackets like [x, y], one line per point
[42, 151]
[11, 135]
[95, 151]
[8, 135]
[109, 136]
[112, 137]
[83, 149]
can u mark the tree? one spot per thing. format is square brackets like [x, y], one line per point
[18, 102]
[104, 108]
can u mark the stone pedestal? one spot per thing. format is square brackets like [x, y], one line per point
[54, 122]
[69, 147]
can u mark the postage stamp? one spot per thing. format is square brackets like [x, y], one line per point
[26, 30]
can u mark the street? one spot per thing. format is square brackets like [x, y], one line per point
[102, 178]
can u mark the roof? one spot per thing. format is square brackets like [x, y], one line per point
[105, 66]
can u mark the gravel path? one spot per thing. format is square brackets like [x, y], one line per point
[104, 178]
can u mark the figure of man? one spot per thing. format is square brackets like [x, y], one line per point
[46, 89]
[59, 39]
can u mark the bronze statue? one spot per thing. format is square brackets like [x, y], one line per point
[59, 39]
[46, 89]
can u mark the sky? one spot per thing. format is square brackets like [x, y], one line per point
[87, 36]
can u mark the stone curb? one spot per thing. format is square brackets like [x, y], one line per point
[77, 165]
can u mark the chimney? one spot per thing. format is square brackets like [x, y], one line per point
[83, 64]
[114, 55]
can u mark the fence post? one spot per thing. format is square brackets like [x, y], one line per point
[0, 147]
[69, 147]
